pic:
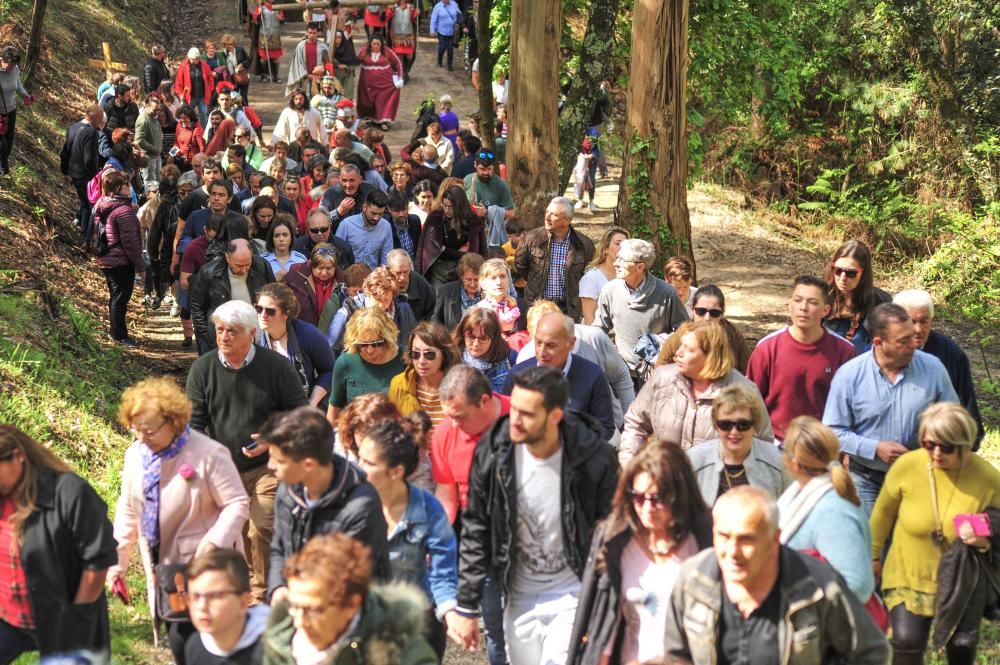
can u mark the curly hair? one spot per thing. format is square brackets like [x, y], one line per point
[395, 444]
[343, 564]
[380, 283]
[359, 415]
[161, 394]
[368, 324]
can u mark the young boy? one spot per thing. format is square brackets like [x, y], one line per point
[229, 630]
[515, 231]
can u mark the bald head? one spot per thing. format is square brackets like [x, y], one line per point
[343, 138]
[555, 336]
[430, 154]
[239, 257]
[745, 536]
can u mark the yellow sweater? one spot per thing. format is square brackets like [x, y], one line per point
[904, 506]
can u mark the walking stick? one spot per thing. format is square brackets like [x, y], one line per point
[267, 49]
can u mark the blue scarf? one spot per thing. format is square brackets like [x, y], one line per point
[151, 465]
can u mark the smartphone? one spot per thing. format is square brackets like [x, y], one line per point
[251, 445]
[980, 523]
[174, 151]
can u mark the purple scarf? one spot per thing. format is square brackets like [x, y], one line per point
[151, 465]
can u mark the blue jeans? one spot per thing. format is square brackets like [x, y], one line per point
[202, 109]
[446, 44]
[868, 491]
[13, 642]
[492, 609]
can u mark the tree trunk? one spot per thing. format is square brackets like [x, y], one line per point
[652, 199]
[533, 141]
[34, 39]
[487, 115]
[595, 54]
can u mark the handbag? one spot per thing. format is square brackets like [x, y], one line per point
[4, 121]
[171, 592]
[241, 77]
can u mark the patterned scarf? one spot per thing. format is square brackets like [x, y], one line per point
[482, 365]
[151, 465]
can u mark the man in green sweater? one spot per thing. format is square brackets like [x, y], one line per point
[234, 389]
[149, 136]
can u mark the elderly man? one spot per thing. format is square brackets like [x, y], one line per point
[238, 275]
[233, 392]
[413, 287]
[876, 399]
[343, 138]
[346, 197]
[920, 306]
[319, 230]
[369, 236]
[454, 298]
[552, 259]
[423, 163]
[636, 302]
[195, 83]
[589, 391]
[750, 599]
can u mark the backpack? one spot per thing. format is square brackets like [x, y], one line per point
[94, 186]
[97, 240]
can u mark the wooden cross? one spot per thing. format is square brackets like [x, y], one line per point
[107, 64]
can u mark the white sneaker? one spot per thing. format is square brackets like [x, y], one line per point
[578, 205]
[175, 310]
[593, 208]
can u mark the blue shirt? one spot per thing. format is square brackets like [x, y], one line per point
[864, 408]
[371, 244]
[293, 259]
[444, 18]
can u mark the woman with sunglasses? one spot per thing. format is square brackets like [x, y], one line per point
[429, 354]
[709, 303]
[370, 359]
[737, 457]
[478, 338]
[301, 343]
[657, 521]
[924, 492]
[314, 283]
[852, 293]
[181, 494]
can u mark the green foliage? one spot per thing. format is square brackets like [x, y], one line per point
[647, 220]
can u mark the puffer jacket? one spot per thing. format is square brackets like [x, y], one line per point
[210, 288]
[489, 522]
[123, 231]
[821, 622]
[532, 263]
[667, 409]
[390, 631]
[350, 506]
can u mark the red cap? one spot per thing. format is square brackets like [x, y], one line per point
[224, 86]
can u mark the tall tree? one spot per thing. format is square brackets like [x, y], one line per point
[594, 55]
[34, 39]
[532, 145]
[487, 115]
[652, 199]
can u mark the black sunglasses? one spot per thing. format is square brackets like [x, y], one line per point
[639, 498]
[430, 354]
[270, 311]
[702, 311]
[727, 425]
[377, 344]
[322, 229]
[850, 272]
[945, 448]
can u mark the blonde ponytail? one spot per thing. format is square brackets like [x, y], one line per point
[816, 449]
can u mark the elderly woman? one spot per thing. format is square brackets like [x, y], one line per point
[429, 354]
[820, 510]
[737, 457]
[852, 294]
[57, 545]
[709, 303]
[657, 521]
[675, 404]
[380, 289]
[369, 361]
[314, 284]
[181, 494]
[494, 281]
[301, 343]
[482, 346]
[600, 271]
[400, 175]
[926, 496]
[449, 232]
[279, 252]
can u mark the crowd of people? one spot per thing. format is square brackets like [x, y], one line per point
[418, 417]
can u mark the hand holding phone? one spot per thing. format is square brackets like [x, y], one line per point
[978, 523]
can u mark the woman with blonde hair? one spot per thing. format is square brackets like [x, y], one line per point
[928, 503]
[736, 456]
[675, 404]
[369, 361]
[820, 510]
[494, 282]
[600, 271]
[181, 494]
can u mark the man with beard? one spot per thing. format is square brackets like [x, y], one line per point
[120, 109]
[325, 103]
[306, 67]
[485, 188]
[298, 114]
[230, 110]
[346, 197]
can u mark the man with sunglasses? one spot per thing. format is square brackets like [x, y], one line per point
[320, 230]
[794, 367]
[876, 399]
[485, 188]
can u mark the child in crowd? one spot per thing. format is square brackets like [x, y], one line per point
[515, 231]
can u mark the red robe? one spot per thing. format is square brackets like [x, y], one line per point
[378, 98]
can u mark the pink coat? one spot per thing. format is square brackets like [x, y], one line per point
[210, 507]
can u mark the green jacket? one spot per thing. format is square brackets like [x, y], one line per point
[149, 134]
[391, 631]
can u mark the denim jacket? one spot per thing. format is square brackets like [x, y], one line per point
[820, 618]
[424, 552]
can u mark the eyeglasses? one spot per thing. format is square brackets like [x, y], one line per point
[8, 457]
[702, 311]
[851, 273]
[377, 344]
[641, 498]
[270, 311]
[211, 597]
[485, 154]
[430, 354]
[470, 338]
[322, 229]
[727, 425]
[307, 612]
[945, 448]
[148, 432]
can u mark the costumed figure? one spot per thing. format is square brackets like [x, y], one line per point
[403, 33]
[308, 63]
[379, 83]
[267, 32]
[325, 102]
[345, 62]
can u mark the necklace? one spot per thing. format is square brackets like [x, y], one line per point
[732, 477]
[659, 549]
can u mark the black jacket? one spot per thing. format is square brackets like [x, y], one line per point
[333, 197]
[154, 72]
[598, 613]
[412, 229]
[121, 116]
[448, 305]
[350, 506]
[489, 522]
[421, 297]
[79, 158]
[210, 288]
[68, 533]
[968, 587]
[345, 253]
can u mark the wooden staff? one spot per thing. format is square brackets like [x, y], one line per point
[350, 4]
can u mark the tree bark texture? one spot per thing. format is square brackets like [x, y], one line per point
[595, 51]
[34, 39]
[533, 140]
[652, 199]
[487, 114]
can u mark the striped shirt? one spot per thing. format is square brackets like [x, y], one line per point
[430, 403]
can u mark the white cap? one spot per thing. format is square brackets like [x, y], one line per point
[193, 52]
